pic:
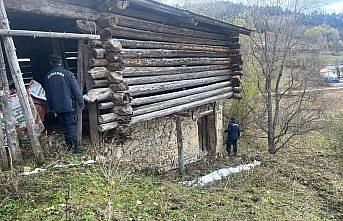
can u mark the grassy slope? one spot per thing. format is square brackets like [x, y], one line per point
[302, 183]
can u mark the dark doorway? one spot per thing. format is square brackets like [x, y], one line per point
[207, 133]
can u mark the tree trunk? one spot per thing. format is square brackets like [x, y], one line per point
[271, 129]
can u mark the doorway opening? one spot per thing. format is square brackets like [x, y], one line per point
[207, 134]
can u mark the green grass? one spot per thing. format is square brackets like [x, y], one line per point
[300, 183]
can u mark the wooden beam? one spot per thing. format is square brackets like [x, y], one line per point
[123, 32]
[44, 34]
[163, 53]
[167, 62]
[3, 153]
[20, 86]
[179, 101]
[8, 116]
[174, 46]
[158, 71]
[81, 82]
[177, 77]
[167, 86]
[180, 149]
[168, 96]
[173, 110]
[52, 8]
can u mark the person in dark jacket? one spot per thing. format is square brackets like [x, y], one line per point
[234, 133]
[61, 88]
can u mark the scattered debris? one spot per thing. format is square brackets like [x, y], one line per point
[38, 170]
[219, 174]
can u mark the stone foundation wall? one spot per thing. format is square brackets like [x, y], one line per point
[154, 142]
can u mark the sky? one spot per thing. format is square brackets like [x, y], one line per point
[329, 6]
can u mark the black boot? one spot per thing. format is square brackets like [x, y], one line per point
[69, 143]
[76, 149]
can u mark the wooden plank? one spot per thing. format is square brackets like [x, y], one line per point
[43, 34]
[20, 86]
[8, 116]
[173, 110]
[178, 94]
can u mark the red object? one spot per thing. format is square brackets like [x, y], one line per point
[40, 106]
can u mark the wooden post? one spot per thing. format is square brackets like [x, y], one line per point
[92, 107]
[3, 154]
[80, 80]
[180, 146]
[12, 138]
[19, 83]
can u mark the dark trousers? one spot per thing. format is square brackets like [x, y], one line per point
[229, 144]
[68, 121]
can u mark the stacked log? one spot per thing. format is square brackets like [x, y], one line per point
[108, 88]
[168, 68]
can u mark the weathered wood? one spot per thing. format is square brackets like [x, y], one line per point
[86, 26]
[173, 110]
[167, 62]
[112, 45]
[92, 107]
[119, 87]
[129, 22]
[42, 34]
[107, 118]
[125, 110]
[114, 57]
[106, 105]
[9, 120]
[3, 153]
[52, 8]
[123, 32]
[115, 77]
[179, 101]
[116, 66]
[179, 139]
[98, 73]
[159, 87]
[98, 62]
[109, 126]
[108, 21]
[176, 77]
[178, 94]
[81, 82]
[98, 94]
[121, 98]
[135, 44]
[100, 83]
[158, 71]
[19, 83]
[163, 53]
[98, 53]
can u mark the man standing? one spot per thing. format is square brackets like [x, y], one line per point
[61, 88]
[233, 136]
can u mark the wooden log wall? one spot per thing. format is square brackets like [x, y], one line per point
[143, 69]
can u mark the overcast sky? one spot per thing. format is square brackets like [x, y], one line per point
[328, 5]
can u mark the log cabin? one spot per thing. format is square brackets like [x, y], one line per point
[154, 76]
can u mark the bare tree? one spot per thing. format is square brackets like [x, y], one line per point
[278, 59]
